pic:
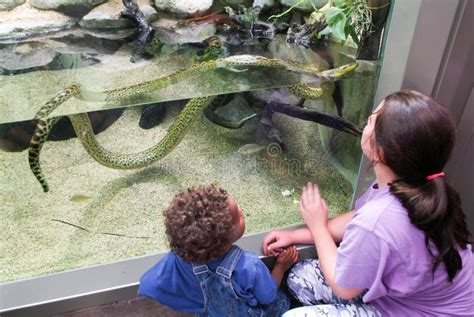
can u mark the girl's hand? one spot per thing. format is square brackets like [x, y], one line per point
[275, 242]
[313, 208]
[287, 257]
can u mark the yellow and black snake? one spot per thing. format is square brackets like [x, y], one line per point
[180, 125]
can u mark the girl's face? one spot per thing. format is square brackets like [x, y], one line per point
[238, 215]
[367, 141]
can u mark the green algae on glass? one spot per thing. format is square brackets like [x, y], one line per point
[131, 202]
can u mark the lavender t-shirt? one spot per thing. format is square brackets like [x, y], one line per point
[384, 253]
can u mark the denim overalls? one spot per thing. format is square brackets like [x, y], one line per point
[220, 298]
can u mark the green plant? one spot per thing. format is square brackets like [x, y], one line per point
[345, 18]
[277, 16]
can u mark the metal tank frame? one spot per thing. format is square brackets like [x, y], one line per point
[116, 281]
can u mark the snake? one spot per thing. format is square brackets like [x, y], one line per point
[182, 123]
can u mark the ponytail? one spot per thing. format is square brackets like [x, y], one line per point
[435, 208]
[414, 137]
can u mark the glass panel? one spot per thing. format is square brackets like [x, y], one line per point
[21, 92]
[95, 214]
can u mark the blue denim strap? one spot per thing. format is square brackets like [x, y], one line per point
[201, 271]
[227, 266]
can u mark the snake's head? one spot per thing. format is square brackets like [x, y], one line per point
[344, 69]
[338, 72]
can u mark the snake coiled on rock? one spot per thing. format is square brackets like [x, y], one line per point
[181, 124]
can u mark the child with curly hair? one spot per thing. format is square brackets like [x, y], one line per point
[205, 273]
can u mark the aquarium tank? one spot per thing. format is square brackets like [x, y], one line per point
[108, 108]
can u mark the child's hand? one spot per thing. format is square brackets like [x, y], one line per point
[275, 242]
[287, 257]
[313, 208]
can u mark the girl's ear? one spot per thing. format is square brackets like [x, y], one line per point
[373, 155]
[379, 155]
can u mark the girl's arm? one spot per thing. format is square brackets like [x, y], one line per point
[326, 249]
[314, 211]
[337, 225]
[275, 241]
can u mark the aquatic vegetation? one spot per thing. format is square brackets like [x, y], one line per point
[344, 18]
[179, 128]
[339, 18]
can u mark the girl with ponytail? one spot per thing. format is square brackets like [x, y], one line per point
[405, 248]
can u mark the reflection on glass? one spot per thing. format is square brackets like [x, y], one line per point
[247, 143]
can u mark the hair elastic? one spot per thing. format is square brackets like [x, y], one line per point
[441, 174]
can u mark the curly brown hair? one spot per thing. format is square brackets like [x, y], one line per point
[199, 224]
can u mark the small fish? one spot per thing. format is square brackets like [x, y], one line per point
[288, 193]
[249, 149]
[80, 198]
